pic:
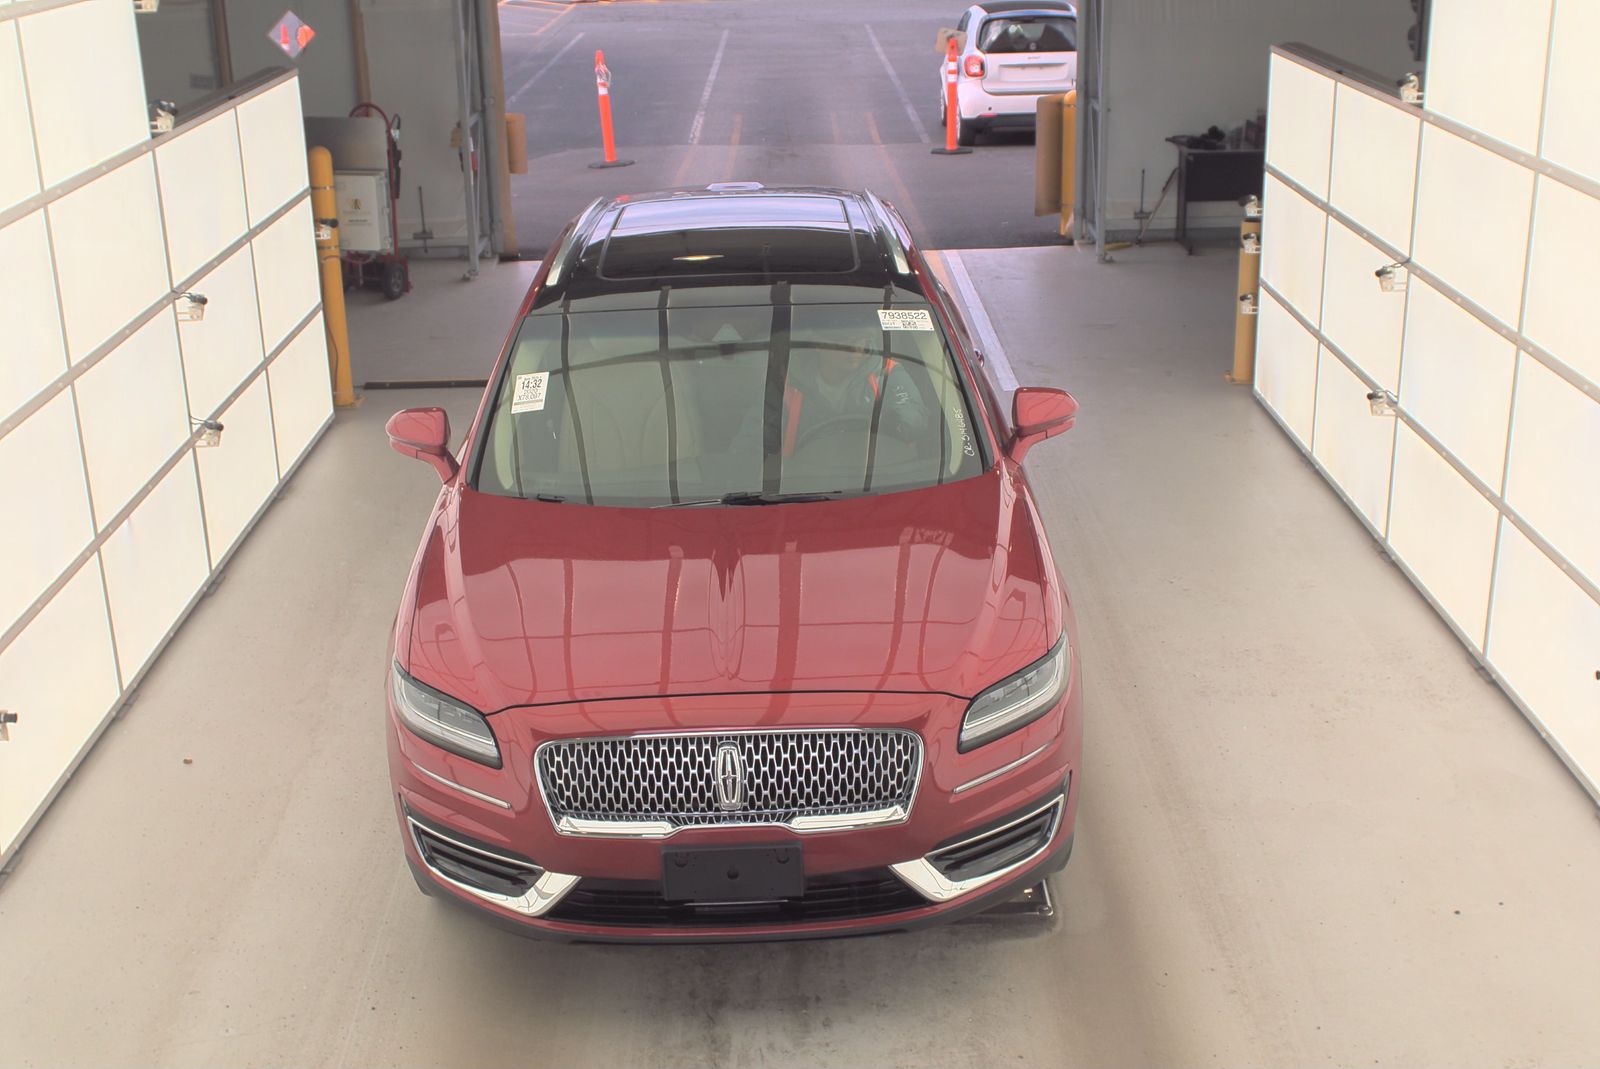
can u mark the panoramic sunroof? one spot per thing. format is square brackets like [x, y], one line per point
[730, 236]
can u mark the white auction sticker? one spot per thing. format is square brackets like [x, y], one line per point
[905, 319]
[529, 394]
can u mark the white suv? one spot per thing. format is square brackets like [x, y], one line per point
[1011, 52]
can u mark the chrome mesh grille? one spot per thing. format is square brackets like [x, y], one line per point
[786, 774]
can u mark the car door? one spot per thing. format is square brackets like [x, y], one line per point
[1029, 53]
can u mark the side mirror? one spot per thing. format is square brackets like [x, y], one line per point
[423, 433]
[943, 46]
[1037, 413]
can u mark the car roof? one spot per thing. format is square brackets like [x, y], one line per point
[1039, 7]
[730, 243]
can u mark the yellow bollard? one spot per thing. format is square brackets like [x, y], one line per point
[1055, 157]
[325, 214]
[516, 143]
[1069, 159]
[1244, 322]
[1048, 155]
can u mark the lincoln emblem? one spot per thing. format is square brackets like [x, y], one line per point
[730, 778]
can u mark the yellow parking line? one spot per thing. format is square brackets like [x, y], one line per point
[733, 146]
[683, 168]
[902, 193]
[547, 27]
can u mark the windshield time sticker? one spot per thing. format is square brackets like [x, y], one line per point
[905, 319]
[529, 393]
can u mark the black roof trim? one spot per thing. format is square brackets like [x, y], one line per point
[564, 256]
[895, 244]
[1043, 7]
[577, 264]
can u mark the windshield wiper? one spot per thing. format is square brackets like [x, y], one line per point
[755, 497]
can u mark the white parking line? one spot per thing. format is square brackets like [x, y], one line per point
[911, 113]
[540, 73]
[993, 355]
[705, 94]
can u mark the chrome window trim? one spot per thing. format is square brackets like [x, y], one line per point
[801, 825]
[547, 890]
[935, 886]
[1002, 770]
[453, 785]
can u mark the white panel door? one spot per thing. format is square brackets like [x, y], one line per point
[1291, 247]
[111, 257]
[1543, 641]
[1300, 148]
[1553, 480]
[155, 562]
[1573, 98]
[35, 352]
[85, 84]
[221, 350]
[1564, 276]
[61, 681]
[286, 274]
[19, 167]
[1357, 316]
[1472, 221]
[133, 416]
[1486, 61]
[1456, 380]
[237, 476]
[302, 398]
[41, 465]
[1443, 530]
[1375, 164]
[272, 133]
[1286, 367]
[202, 193]
[1355, 446]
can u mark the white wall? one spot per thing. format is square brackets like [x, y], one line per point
[1483, 487]
[101, 231]
[1180, 67]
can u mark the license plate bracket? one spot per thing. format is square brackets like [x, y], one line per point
[732, 873]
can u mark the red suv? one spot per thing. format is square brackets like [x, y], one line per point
[735, 618]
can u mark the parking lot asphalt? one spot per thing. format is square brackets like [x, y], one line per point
[827, 92]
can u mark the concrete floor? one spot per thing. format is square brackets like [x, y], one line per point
[1311, 833]
[447, 327]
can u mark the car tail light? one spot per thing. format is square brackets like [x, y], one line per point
[973, 66]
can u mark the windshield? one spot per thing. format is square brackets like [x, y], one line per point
[695, 405]
[1029, 33]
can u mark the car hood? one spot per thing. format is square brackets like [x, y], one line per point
[526, 603]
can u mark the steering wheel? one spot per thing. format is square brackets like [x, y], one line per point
[832, 426]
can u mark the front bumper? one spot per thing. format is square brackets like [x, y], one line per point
[545, 882]
[747, 924]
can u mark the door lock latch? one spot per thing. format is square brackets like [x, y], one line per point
[7, 718]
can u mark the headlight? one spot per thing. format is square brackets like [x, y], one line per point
[1018, 699]
[444, 721]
